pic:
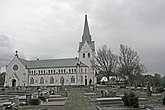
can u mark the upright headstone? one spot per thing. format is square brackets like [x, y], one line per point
[66, 92]
[28, 98]
[55, 90]
[148, 89]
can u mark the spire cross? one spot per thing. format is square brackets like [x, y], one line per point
[16, 53]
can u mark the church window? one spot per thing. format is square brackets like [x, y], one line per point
[72, 79]
[83, 55]
[31, 80]
[88, 55]
[41, 80]
[51, 80]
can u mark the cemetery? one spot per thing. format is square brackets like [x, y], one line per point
[95, 97]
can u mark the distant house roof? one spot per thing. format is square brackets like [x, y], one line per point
[51, 63]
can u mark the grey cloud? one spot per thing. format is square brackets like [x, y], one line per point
[5, 50]
[52, 29]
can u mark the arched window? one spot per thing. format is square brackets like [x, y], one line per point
[72, 70]
[59, 71]
[41, 80]
[44, 71]
[51, 80]
[49, 71]
[89, 55]
[85, 70]
[39, 71]
[72, 79]
[54, 71]
[75, 70]
[69, 70]
[34, 72]
[83, 55]
[81, 70]
[31, 80]
[64, 70]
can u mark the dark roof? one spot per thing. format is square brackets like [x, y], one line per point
[51, 63]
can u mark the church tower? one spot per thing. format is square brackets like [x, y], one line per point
[87, 49]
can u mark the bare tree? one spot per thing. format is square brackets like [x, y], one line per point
[105, 61]
[129, 63]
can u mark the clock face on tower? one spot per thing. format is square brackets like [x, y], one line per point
[15, 67]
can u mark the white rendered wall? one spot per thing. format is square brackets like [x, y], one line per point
[19, 75]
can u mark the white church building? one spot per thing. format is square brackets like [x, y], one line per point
[54, 72]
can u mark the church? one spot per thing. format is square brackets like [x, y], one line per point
[55, 72]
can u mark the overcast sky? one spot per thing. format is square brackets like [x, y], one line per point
[53, 28]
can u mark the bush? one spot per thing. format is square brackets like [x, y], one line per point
[130, 100]
[35, 101]
[163, 101]
[43, 98]
[161, 89]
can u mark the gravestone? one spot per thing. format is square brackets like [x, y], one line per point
[55, 90]
[163, 97]
[28, 98]
[66, 92]
[39, 92]
[102, 93]
[148, 89]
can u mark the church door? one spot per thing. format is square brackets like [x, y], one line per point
[86, 82]
[13, 83]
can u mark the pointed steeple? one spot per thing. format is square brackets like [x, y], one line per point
[86, 34]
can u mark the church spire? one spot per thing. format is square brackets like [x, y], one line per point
[86, 34]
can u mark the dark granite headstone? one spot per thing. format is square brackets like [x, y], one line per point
[28, 98]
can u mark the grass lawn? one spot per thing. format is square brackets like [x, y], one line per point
[76, 101]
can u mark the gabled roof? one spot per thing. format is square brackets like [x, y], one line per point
[51, 63]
